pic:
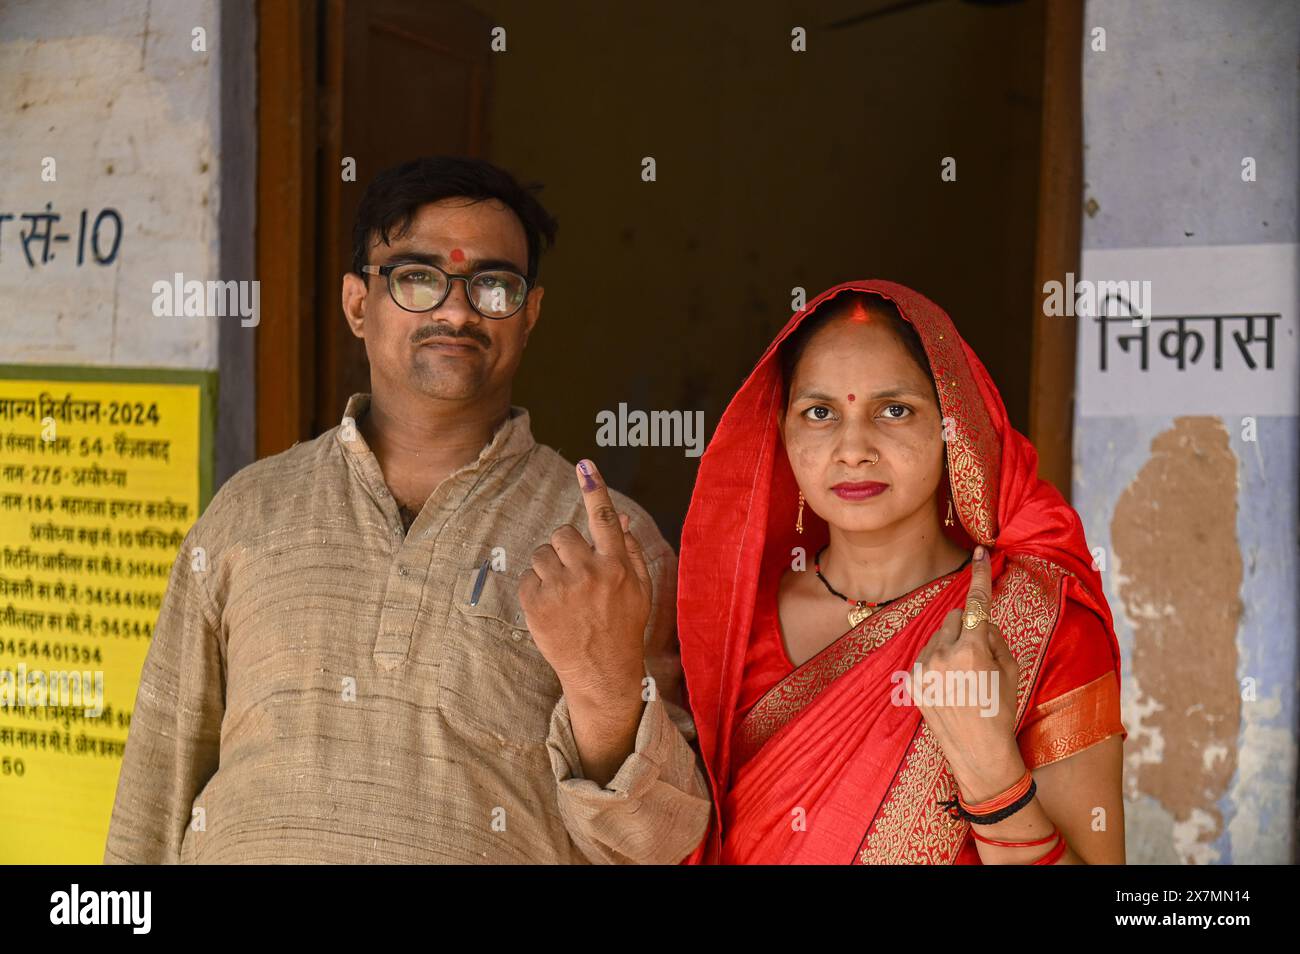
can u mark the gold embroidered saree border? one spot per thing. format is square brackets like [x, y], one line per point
[974, 456]
[909, 827]
[1073, 721]
[779, 706]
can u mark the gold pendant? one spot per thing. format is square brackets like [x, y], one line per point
[860, 612]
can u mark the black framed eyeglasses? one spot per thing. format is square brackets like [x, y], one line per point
[494, 292]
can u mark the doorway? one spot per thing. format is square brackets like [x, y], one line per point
[774, 169]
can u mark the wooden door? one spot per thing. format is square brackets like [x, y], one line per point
[375, 81]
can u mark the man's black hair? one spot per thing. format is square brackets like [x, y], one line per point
[394, 195]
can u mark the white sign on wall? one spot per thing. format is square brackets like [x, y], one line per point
[1188, 330]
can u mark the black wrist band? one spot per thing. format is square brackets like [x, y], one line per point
[953, 807]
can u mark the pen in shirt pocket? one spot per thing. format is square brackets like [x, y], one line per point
[478, 582]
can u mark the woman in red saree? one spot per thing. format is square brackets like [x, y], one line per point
[812, 753]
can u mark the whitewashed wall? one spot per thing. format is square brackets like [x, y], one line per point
[1186, 479]
[139, 123]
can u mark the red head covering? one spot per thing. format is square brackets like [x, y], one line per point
[742, 512]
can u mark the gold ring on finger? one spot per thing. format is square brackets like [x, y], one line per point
[973, 617]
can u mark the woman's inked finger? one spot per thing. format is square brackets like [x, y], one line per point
[980, 592]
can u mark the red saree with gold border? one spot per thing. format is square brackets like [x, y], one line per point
[813, 764]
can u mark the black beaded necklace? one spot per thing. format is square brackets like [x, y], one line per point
[858, 609]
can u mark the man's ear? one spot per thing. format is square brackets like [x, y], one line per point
[355, 289]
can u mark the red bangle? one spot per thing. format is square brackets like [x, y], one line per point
[1016, 844]
[1053, 856]
[1001, 801]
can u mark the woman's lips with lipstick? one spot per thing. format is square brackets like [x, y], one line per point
[859, 491]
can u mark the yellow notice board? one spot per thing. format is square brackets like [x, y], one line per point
[102, 473]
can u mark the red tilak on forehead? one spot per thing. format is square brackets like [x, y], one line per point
[852, 398]
[858, 312]
[457, 255]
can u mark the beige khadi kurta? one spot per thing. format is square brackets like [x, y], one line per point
[454, 745]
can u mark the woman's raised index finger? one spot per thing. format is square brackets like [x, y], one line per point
[981, 581]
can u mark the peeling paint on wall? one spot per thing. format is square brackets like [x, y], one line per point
[1178, 573]
[1210, 776]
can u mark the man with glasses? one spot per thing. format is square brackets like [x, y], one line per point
[395, 643]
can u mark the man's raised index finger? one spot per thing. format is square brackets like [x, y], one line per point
[602, 518]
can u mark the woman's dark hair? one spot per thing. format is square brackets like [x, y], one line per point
[393, 197]
[792, 348]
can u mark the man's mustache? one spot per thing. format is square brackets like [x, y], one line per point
[446, 331]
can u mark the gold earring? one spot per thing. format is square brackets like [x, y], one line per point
[798, 522]
[947, 522]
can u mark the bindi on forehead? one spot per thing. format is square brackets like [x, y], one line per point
[457, 255]
[852, 398]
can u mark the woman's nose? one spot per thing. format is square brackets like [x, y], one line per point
[857, 445]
